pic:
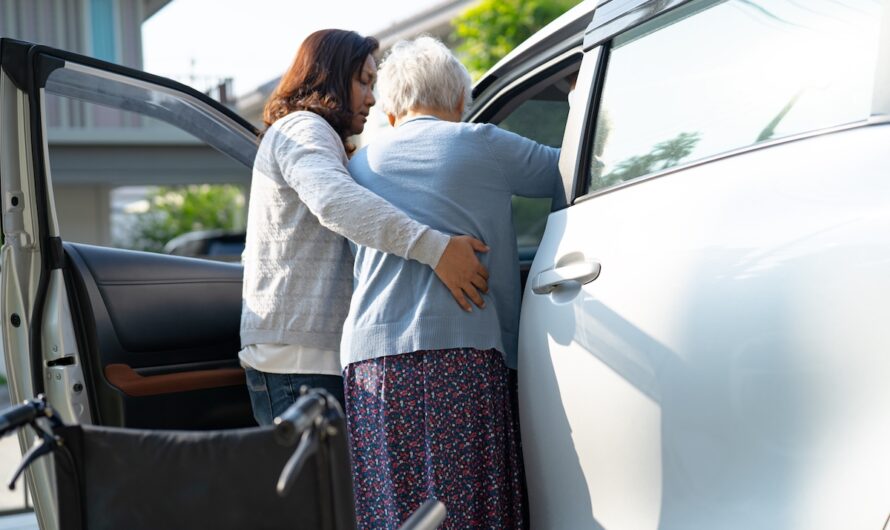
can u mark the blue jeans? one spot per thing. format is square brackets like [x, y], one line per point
[271, 394]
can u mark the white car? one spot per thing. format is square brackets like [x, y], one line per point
[704, 339]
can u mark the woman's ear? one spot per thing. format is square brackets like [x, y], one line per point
[458, 111]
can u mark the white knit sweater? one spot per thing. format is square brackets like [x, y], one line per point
[297, 264]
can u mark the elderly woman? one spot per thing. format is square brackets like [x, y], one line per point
[303, 204]
[427, 393]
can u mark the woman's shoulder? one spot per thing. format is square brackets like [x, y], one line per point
[300, 129]
[494, 135]
[303, 121]
[475, 129]
[459, 130]
[480, 135]
[298, 133]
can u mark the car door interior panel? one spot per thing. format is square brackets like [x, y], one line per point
[133, 383]
[160, 338]
[112, 337]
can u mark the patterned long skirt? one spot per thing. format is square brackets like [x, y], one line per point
[435, 424]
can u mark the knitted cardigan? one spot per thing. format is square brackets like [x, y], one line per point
[303, 205]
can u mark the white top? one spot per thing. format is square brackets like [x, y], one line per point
[290, 359]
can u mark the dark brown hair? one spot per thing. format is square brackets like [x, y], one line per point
[320, 78]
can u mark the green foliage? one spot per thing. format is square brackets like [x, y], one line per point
[490, 29]
[175, 211]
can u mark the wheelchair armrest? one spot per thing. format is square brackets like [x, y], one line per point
[428, 517]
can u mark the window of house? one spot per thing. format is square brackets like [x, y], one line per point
[715, 76]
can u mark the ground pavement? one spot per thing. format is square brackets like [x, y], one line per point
[11, 500]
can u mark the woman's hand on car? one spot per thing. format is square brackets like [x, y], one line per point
[461, 271]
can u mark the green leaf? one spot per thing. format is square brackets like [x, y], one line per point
[490, 29]
[174, 211]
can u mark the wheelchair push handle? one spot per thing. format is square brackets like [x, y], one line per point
[28, 413]
[299, 417]
[18, 416]
[307, 420]
[428, 517]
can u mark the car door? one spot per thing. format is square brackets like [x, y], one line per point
[727, 367]
[111, 336]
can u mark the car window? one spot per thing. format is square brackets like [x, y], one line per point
[136, 167]
[715, 76]
[542, 118]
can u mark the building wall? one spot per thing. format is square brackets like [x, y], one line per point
[110, 30]
[93, 149]
[58, 23]
[83, 212]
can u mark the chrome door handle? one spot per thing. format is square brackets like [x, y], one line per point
[585, 272]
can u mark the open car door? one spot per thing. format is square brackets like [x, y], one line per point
[112, 337]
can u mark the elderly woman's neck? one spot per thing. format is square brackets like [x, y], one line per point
[445, 115]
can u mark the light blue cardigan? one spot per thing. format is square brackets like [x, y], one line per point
[457, 178]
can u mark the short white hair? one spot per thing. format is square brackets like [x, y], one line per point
[422, 73]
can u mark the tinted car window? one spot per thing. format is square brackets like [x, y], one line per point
[716, 76]
[543, 119]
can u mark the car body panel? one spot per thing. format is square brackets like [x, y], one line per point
[728, 367]
[22, 272]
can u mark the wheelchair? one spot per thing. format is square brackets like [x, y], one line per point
[295, 474]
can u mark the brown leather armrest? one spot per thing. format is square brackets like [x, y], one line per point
[133, 384]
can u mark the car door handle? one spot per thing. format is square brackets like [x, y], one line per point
[584, 272]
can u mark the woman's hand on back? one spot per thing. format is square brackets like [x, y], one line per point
[461, 271]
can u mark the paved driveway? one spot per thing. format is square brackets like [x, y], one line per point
[10, 455]
[24, 521]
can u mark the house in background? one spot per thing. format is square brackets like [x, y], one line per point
[100, 159]
[94, 150]
[435, 21]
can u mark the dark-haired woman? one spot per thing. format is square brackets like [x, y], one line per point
[303, 207]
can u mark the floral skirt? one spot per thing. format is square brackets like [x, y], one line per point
[435, 424]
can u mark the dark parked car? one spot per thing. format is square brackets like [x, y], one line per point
[211, 244]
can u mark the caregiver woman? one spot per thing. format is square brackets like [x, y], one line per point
[303, 207]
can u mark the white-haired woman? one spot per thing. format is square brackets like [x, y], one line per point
[427, 385]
